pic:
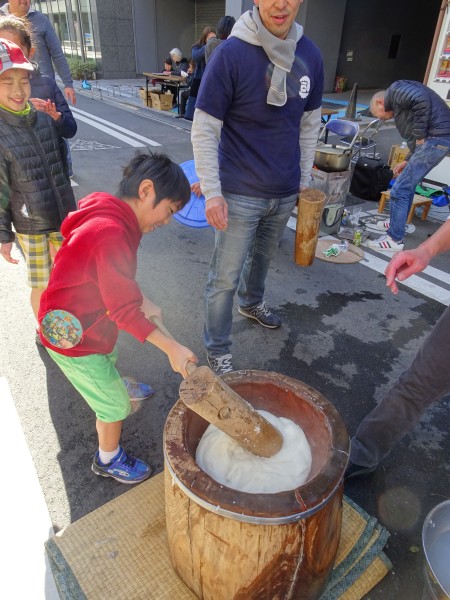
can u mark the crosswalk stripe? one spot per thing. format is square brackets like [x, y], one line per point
[415, 282]
[113, 129]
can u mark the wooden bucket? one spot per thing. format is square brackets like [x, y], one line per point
[226, 544]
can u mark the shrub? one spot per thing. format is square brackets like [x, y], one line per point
[80, 69]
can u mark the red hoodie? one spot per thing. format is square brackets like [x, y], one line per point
[93, 277]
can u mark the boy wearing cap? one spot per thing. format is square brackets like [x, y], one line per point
[35, 192]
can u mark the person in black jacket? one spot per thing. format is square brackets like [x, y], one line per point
[45, 94]
[423, 384]
[178, 62]
[423, 120]
[184, 95]
[35, 190]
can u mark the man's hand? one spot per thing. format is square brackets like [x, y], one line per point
[69, 93]
[399, 168]
[5, 251]
[420, 142]
[216, 212]
[195, 187]
[46, 106]
[404, 264]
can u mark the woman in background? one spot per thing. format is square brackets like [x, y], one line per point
[198, 55]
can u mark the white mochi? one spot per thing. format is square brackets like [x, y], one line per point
[229, 464]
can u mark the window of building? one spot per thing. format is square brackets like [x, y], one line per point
[72, 21]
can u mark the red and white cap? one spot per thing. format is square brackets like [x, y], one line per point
[12, 57]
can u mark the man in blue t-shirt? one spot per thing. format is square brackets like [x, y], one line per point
[254, 134]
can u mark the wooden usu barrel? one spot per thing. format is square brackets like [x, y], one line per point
[226, 544]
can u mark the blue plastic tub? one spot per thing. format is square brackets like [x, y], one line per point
[193, 214]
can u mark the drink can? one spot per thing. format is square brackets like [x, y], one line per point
[357, 237]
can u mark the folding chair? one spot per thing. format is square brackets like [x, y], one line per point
[366, 144]
[342, 128]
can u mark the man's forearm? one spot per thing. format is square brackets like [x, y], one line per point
[309, 133]
[439, 242]
[205, 136]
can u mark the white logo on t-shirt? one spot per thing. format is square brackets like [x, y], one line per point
[305, 86]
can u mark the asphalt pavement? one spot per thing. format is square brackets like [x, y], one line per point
[343, 333]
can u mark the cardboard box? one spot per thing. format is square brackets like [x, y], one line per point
[397, 155]
[151, 90]
[334, 185]
[162, 101]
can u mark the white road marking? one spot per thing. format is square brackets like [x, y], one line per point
[26, 524]
[89, 145]
[113, 129]
[415, 282]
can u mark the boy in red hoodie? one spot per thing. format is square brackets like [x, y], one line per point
[92, 293]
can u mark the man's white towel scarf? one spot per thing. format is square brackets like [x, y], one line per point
[281, 53]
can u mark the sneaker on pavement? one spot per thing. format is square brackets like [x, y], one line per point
[262, 314]
[354, 470]
[221, 364]
[123, 468]
[136, 390]
[383, 225]
[385, 242]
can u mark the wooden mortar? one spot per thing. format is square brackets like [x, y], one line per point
[231, 545]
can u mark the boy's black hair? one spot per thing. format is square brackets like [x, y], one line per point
[168, 178]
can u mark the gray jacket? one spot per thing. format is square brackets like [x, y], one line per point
[47, 44]
[35, 191]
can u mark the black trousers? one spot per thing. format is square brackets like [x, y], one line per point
[184, 95]
[425, 382]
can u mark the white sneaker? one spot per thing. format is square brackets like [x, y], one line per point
[385, 242]
[383, 225]
[221, 364]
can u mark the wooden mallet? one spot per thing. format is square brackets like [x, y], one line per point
[208, 395]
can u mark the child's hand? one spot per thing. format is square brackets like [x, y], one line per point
[179, 356]
[46, 106]
[5, 251]
[150, 309]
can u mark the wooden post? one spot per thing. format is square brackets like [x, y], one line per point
[309, 213]
[210, 397]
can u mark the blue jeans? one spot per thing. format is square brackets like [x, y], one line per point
[240, 261]
[425, 157]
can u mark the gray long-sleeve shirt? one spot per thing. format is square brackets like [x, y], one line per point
[47, 44]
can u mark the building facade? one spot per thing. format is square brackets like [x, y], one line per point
[368, 42]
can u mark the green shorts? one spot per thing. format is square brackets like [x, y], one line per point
[96, 378]
[36, 249]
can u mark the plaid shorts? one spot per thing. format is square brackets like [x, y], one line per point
[38, 256]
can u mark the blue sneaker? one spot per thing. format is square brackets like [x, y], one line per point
[137, 391]
[123, 468]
